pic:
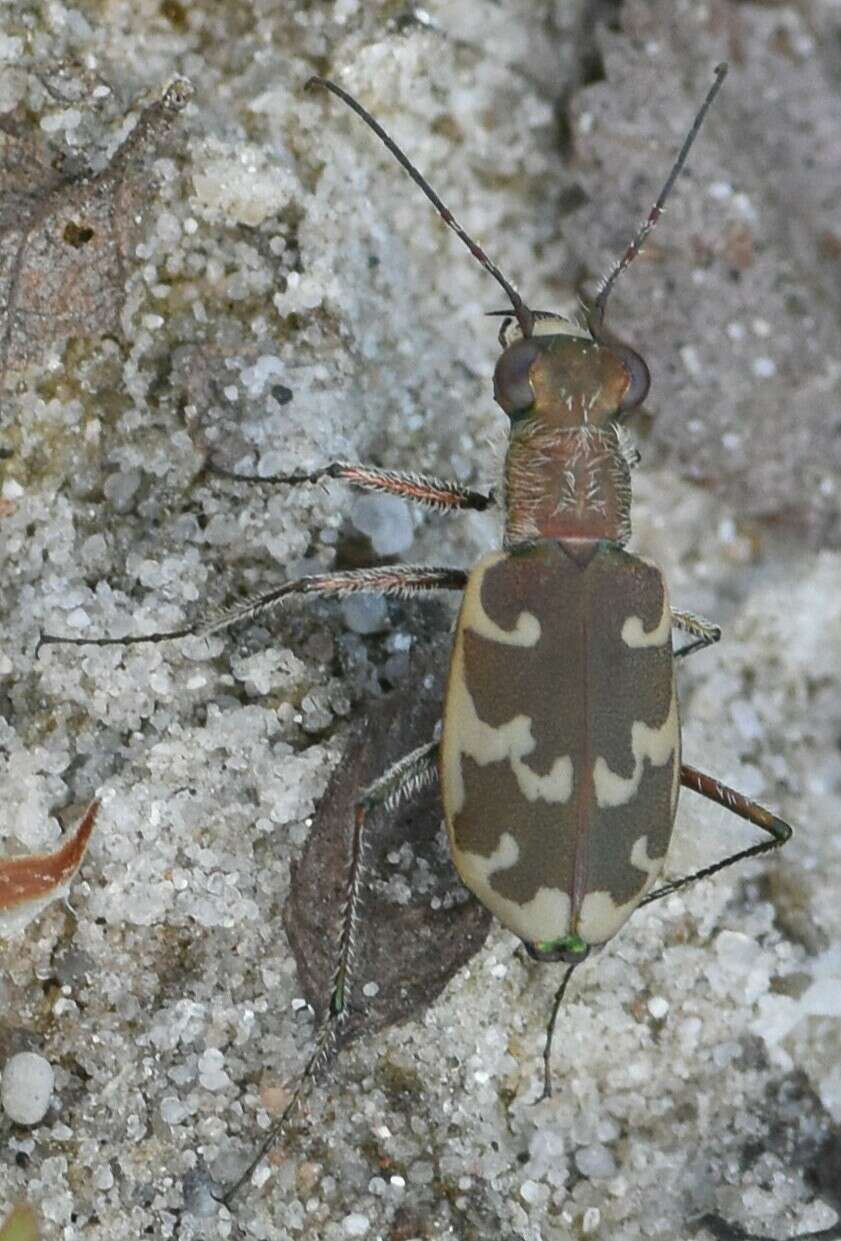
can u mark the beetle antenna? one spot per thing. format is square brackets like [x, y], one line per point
[523, 314]
[597, 317]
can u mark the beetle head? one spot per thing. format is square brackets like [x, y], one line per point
[567, 375]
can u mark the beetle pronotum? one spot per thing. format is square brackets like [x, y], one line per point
[559, 756]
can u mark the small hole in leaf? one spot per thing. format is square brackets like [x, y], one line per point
[77, 234]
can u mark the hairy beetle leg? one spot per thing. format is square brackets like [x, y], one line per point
[703, 631]
[440, 494]
[737, 804]
[403, 780]
[394, 581]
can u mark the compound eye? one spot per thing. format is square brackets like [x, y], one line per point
[639, 378]
[512, 389]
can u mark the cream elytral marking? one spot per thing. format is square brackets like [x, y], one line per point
[467, 734]
[555, 786]
[635, 636]
[675, 791]
[600, 917]
[526, 632]
[655, 744]
[548, 914]
[545, 916]
[452, 780]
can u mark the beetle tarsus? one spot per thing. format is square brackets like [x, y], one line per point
[739, 805]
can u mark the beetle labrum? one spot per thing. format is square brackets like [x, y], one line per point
[559, 756]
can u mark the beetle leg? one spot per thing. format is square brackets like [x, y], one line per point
[736, 803]
[546, 1093]
[394, 581]
[704, 631]
[405, 778]
[440, 494]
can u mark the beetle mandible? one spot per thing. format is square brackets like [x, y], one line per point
[559, 756]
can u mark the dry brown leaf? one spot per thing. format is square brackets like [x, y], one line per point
[412, 949]
[64, 239]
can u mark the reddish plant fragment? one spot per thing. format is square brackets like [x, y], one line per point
[30, 882]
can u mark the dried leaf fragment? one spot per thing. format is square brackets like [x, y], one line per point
[408, 948]
[64, 239]
[31, 882]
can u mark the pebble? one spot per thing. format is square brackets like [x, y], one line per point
[27, 1088]
[356, 1225]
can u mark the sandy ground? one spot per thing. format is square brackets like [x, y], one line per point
[266, 287]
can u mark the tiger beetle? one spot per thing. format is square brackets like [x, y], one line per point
[559, 753]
